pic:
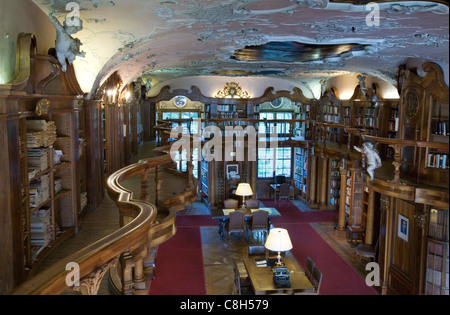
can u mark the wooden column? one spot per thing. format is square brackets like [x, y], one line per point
[386, 204]
[158, 181]
[313, 200]
[323, 180]
[370, 217]
[212, 183]
[94, 153]
[341, 229]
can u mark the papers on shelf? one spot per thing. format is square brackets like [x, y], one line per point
[228, 211]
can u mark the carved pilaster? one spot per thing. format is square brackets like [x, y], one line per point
[158, 182]
[145, 193]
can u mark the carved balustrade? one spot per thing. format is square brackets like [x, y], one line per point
[144, 226]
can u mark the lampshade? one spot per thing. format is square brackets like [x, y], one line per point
[279, 241]
[244, 190]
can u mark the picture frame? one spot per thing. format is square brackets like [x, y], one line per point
[232, 171]
[403, 228]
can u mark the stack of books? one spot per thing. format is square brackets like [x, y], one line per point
[83, 200]
[40, 133]
[41, 230]
[38, 159]
[39, 191]
[58, 185]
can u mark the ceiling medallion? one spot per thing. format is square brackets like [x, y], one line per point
[232, 90]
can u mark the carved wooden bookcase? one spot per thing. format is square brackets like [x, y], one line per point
[424, 116]
[41, 92]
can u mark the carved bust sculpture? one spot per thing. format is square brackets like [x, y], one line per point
[372, 156]
[66, 46]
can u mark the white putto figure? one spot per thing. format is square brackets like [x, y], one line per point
[372, 157]
[66, 46]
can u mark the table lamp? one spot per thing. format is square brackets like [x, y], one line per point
[244, 190]
[278, 241]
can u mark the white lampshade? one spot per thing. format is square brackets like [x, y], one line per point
[244, 190]
[279, 241]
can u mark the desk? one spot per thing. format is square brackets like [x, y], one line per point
[223, 215]
[274, 189]
[262, 278]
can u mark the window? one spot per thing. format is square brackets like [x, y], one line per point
[271, 127]
[271, 160]
[187, 126]
[181, 161]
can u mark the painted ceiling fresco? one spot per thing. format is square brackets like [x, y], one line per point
[158, 40]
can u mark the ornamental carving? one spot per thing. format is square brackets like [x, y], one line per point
[232, 90]
[43, 107]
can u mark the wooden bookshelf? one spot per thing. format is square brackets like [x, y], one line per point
[437, 254]
[301, 162]
[334, 184]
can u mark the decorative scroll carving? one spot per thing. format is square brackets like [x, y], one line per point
[233, 90]
[43, 107]
[90, 285]
[421, 220]
[385, 203]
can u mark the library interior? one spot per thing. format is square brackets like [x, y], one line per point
[278, 147]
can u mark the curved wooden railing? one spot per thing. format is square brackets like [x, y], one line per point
[143, 226]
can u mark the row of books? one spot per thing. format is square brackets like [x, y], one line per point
[335, 183]
[334, 201]
[334, 191]
[331, 110]
[393, 125]
[438, 161]
[367, 122]
[438, 227]
[332, 119]
[442, 128]
[226, 108]
[367, 111]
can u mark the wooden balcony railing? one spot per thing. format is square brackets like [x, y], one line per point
[143, 227]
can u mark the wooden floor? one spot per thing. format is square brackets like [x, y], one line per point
[217, 259]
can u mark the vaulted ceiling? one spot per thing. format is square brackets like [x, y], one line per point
[303, 40]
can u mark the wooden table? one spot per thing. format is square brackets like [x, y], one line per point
[262, 278]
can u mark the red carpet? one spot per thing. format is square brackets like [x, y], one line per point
[338, 277]
[179, 265]
[290, 213]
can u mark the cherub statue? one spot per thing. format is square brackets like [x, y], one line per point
[66, 46]
[372, 156]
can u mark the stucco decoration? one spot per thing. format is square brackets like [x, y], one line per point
[67, 47]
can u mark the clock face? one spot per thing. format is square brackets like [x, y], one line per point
[412, 104]
[180, 101]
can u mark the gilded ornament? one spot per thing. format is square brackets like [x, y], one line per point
[43, 107]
